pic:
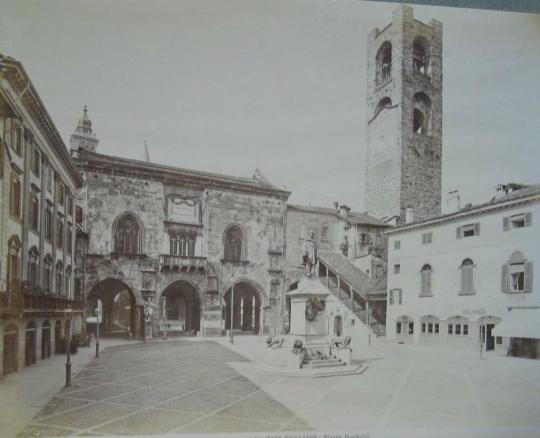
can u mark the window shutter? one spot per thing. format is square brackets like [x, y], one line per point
[504, 278]
[463, 280]
[428, 283]
[506, 223]
[528, 219]
[458, 232]
[477, 229]
[528, 283]
[391, 297]
[400, 296]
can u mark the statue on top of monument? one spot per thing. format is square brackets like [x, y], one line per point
[310, 254]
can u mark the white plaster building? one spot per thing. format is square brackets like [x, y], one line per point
[465, 276]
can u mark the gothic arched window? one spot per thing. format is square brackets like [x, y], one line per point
[233, 243]
[385, 102]
[127, 234]
[384, 61]
[59, 277]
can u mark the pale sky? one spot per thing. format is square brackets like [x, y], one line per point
[226, 86]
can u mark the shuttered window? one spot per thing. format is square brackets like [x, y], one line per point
[521, 220]
[468, 230]
[517, 275]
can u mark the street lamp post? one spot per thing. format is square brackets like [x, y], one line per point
[231, 338]
[98, 317]
[68, 313]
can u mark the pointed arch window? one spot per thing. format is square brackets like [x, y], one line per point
[233, 244]
[127, 235]
[68, 282]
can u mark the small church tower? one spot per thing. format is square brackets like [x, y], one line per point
[83, 137]
[404, 110]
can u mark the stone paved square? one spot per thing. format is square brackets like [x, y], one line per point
[154, 396]
[203, 402]
[151, 421]
[405, 388]
[145, 397]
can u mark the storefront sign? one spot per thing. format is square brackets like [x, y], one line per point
[480, 311]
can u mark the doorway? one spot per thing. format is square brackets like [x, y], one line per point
[11, 342]
[338, 326]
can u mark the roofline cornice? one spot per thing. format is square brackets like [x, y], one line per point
[29, 97]
[91, 161]
[452, 217]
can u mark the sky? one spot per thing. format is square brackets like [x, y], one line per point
[228, 86]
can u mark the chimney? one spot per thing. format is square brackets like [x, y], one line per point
[344, 210]
[453, 201]
[409, 215]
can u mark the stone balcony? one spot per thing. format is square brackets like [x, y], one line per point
[183, 263]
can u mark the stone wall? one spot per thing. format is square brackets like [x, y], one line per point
[403, 167]
[112, 192]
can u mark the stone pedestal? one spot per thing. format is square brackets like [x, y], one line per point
[313, 332]
[148, 331]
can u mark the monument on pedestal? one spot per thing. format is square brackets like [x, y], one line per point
[306, 350]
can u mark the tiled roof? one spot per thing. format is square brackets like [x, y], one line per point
[341, 265]
[354, 218]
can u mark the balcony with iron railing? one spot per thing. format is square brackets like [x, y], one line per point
[22, 299]
[184, 263]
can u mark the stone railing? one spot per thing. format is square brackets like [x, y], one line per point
[182, 262]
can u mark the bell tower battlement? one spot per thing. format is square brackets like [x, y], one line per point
[404, 110]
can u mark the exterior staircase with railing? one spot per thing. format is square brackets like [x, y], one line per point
[355, 289]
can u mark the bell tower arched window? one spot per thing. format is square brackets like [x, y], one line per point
[384, 61]
[421, 55]
[233, 243]
[127, 234]
[421, 113]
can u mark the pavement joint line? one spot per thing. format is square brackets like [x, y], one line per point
[179, 429]
[474, 395]
[393, 401]
[139, 408]
[67, 429]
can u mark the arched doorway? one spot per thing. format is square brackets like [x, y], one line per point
[118, 309]
[180, 309]
[30, 344]
[11, 349]
[57, 337]
[246, 309]
[338, 325]
[46, 340]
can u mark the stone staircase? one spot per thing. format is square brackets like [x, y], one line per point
[322, 363]
[351, 286]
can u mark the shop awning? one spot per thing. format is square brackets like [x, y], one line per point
[519, 323]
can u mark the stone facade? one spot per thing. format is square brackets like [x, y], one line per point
[404, 134]
[172, 206]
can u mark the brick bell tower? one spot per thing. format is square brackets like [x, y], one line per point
[404, 109]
